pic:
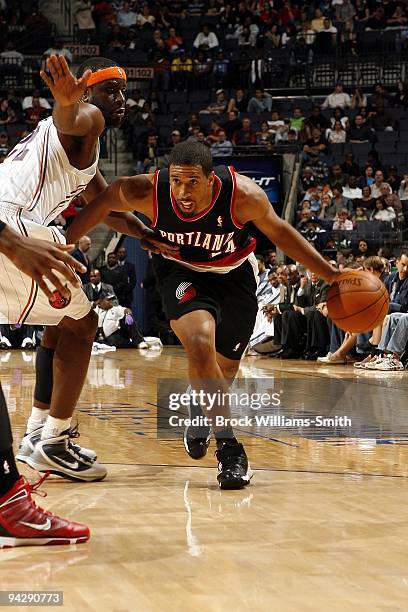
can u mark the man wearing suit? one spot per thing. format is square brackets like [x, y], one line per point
[84, 244]
[130, 273]
[317, 328]
[397, 285]
[290, 286]
[96, 290]
[305, 296]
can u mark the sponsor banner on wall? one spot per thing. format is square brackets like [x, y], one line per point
[265, 172]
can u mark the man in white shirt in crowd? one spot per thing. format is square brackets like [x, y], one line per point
[12, 63]
[329, 28]
[135, 101]
[351, 190]
[28, 101]
[206, 40]
[378, 185]
[337, 99]
[275, 123]
[117, 326]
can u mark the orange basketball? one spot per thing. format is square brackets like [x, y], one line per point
[358, 301]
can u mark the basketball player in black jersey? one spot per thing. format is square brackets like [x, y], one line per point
[208, 288]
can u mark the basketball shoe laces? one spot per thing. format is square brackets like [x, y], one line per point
[73, 433]
[34, 488]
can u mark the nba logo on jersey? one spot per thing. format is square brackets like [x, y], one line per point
[184, 292]
[219, 221]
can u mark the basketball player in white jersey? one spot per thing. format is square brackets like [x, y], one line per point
[22, 522]
[38, 179]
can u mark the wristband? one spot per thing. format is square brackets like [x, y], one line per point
[2, 226]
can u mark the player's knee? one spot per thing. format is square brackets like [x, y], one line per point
[200, 347]
[85, 328]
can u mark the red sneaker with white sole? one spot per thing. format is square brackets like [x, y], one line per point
[23, 523]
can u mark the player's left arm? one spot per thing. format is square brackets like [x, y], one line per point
[253, 205]
[123, 222]
[107, 204]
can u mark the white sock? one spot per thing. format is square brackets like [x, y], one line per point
[54, 427]
[36, 419]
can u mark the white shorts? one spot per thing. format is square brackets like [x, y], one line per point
[21, 300]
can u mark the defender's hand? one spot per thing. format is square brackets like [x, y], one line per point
[38, 259]
[66, 89]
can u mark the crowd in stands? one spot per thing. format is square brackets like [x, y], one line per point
[209, 25]
[293, 321]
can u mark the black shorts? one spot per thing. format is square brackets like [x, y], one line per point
[230, 298]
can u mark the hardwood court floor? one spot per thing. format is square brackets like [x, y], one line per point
[323, 526]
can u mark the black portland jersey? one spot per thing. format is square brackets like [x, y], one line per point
[211, 240]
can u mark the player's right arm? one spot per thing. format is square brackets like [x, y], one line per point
[71, 117]
[38, 259]
[125, 194]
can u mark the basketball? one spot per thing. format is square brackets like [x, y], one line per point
[358, 301]
[58, 300]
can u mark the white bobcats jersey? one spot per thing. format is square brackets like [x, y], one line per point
[37, 176]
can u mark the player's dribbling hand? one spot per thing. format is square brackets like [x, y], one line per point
[38, 259]
[65, 88]
[151, 241]
[333, 276]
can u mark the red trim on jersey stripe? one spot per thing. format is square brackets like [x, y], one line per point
[233, 197]
[43, 167]
[224, 261]
[155, 206]
[203, 212]
[33, 285]
[32, 305]
[20, 224]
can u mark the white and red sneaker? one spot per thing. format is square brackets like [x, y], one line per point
[23, 523]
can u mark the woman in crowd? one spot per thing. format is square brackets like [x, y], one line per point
[359, 99]
[336, 134]
[339, 115]
[382, 212]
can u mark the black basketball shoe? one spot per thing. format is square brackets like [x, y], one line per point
[234, 471]
[196, 438]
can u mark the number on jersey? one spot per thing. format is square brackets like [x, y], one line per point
[21, 149]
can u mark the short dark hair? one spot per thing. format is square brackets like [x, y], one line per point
[402, 254]
[95, 63]
[191, 153]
